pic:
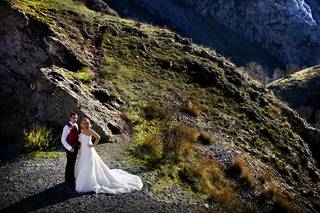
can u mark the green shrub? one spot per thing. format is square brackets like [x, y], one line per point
[84, 75]
[39, 138]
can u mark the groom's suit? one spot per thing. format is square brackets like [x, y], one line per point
[69, 140]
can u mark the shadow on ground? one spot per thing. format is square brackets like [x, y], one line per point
[56, 194]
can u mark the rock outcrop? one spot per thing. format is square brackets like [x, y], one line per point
[54, 96]
[99, 6]
[32, 93]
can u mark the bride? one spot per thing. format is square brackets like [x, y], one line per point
[92, 174]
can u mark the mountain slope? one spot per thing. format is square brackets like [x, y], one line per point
[202, 29]
[301, 91]
[112, 70]
[275, 34]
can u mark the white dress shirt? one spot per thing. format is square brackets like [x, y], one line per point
[65, 132]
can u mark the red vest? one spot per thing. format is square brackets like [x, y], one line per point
[72, 137]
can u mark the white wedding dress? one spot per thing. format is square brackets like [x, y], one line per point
[92, 174]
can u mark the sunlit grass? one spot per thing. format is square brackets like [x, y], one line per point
[49, 154]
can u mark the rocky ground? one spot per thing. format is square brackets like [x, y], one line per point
[36, 185]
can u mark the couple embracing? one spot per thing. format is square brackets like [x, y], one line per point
[91, 174]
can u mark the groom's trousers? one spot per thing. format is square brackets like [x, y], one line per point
[71, 161]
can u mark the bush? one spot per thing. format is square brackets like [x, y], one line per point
[154, 110]
[258, 72]
[178, 142]
[207, 175]
[150, 149]
[191, 109]
[38, 139]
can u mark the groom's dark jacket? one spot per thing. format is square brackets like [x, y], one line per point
[72, 137]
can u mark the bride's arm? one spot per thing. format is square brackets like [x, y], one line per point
[96, 136]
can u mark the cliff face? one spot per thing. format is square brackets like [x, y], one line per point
[61, 56]
[286, 30]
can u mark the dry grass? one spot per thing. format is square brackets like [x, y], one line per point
[192, 109]
[154, 110]
[265, 176]
[206, 138]
[178, 142]
[274, 110]
[273, 192]
[295, 161]
[240, 167]
[214, 183]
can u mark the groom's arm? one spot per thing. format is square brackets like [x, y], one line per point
[64, 142]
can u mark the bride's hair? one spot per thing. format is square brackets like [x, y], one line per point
[86, 122]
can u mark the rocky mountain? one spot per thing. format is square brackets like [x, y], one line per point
[276, 34]
[315, 5]
[136, 82]
[301, 91]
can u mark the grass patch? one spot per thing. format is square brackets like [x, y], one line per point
[178, 142]
[273, 192]
[46, 155]
[85, 75]
[240, 168]
[38, 138]
[154, 110]
[207, 176]
[191, 109]
[150, 150]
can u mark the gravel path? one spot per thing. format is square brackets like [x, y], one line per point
[36, 185]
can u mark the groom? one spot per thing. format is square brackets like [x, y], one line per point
[69, 139]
